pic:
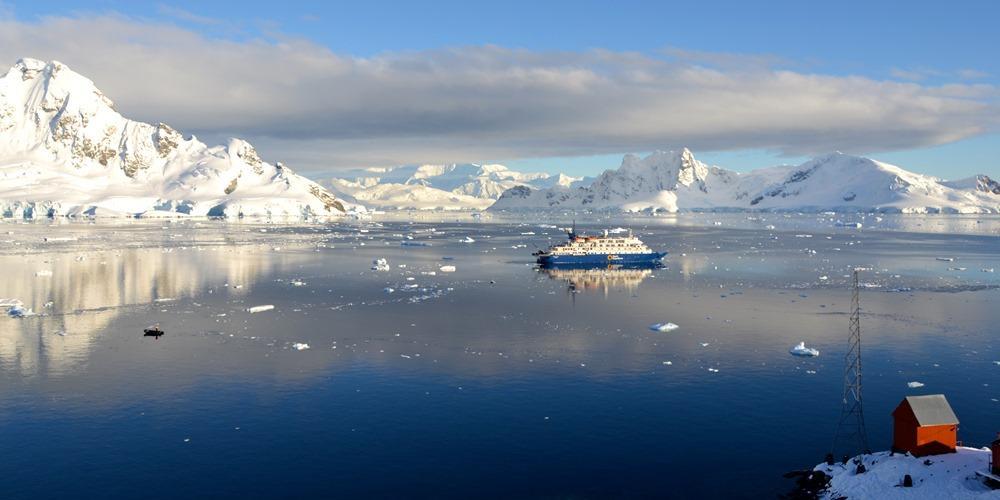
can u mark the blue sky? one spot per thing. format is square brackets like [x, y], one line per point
[930, 45]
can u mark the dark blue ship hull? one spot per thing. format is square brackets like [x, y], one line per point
[601, 260]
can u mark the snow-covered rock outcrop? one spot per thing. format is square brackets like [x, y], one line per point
[450, 187]
[65, 150]
[676, 181]
[952, 475]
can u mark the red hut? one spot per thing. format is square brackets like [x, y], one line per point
[925, 425]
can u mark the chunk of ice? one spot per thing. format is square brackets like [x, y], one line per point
[663, 327]
[299, 346]
[802, 350]
[257, 309]
[380, 265]
[447, 269]
[914, 385]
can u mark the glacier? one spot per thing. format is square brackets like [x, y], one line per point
[457, 186]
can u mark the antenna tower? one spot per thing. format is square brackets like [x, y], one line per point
[852, 438]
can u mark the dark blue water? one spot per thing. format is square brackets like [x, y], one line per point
[497, 380]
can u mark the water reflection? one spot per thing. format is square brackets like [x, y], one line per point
[583, 279]
[75, 296]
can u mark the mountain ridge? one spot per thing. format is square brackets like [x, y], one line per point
[672, 181]
[67, 151]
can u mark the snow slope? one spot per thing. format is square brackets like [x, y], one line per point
[675, 181]
[951, 476]
[65, 150]
[455, 186]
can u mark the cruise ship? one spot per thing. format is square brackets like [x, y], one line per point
[606, 250]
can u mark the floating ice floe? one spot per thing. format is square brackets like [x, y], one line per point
[467, 239]
[299, 346]
[802, 350]
[946, 259]
[257, 309]
[914, 385]
[663, 327]
[380, 265]
[447, 269]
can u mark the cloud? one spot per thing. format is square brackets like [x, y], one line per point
[184, 15]
[915, 75]
[972, 74]
[301, 103]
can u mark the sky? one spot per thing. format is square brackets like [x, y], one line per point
[552, 86]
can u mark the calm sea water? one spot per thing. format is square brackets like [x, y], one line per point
[498, 380]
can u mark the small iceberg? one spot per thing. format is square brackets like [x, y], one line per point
[663, 327]
[914, 385]
[802, 350]
[299, 346]
[447, 269]
[380, 265]
[257, 309]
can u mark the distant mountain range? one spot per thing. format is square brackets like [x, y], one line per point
[443, 187]
[671, 181]
[65, 150]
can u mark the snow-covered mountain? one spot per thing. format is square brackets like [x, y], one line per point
[675, 181]
[455, 186]
[64, 149]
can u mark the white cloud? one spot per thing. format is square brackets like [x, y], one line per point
[302, 103]
[184, 15]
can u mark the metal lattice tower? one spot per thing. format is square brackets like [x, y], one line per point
[852, 438]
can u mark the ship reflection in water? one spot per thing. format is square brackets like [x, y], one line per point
[591, 279]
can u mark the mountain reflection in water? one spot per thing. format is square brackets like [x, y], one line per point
[76, 295]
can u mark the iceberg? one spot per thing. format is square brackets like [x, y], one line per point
[663, 327]
[802, 350]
